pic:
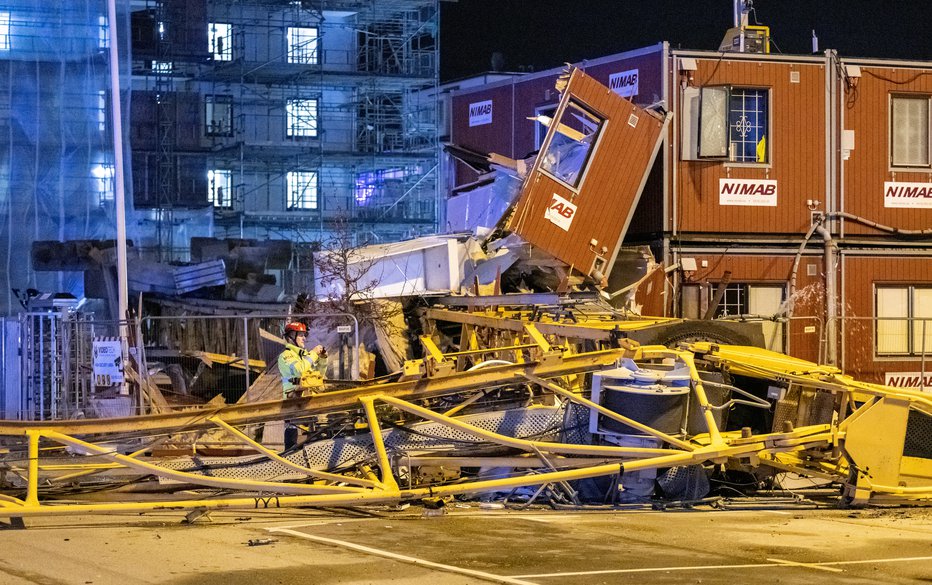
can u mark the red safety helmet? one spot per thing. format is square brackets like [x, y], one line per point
[296, 327]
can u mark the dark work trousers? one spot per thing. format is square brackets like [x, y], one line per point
[291, 435]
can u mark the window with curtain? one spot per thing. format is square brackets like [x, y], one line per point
[909, 126]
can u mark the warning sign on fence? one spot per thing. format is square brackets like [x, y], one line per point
[108, 361]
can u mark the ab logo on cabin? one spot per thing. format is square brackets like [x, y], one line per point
[560, 212]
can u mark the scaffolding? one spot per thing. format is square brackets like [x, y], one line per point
[307, 115]
[244, 119]
[56, 146]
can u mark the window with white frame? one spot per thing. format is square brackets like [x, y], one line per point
[220, 187]
[909, 131]
[302, 45]
[301, 190]
[220, 40]
[904, 320]
[218, 115]
[103, 183]
[732, 124]
[4, 31]
[301, 118]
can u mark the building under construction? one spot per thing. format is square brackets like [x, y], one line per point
[246, 120]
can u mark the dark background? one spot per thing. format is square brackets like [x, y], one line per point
[540, 34]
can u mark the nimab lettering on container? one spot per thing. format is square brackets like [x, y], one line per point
[480, 113]
[912, 195]
[909, 380]
[624, 83]
[748, 192]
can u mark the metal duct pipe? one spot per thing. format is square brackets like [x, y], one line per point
[831, 291]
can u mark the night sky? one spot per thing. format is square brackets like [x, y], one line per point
[546, 33]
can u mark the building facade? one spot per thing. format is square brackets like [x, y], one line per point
[792, 188]
[256, 119]
[282, 120]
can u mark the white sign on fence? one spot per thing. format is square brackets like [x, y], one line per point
[344, 328]
[108, 361]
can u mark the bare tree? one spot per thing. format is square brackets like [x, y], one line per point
[344, 272]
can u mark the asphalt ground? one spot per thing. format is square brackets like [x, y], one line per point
[469, 544]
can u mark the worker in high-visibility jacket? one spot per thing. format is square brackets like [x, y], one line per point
[296, 364]
[299, 367]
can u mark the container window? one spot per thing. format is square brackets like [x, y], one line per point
[910, 131]
[904, 320]
[571, 144]
[734, 124]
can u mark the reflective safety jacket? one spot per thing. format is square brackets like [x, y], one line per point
[297, 366]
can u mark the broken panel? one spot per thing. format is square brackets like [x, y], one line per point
[579, 197]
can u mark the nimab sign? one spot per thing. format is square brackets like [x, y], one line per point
[560, 212]
[480, 113]
[914, 195]
[750, 192]
[624, 83]
[908, 380]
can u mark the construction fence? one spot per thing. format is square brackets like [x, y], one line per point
[60, 365]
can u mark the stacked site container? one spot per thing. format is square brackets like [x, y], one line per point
[827, 153]
[886, 275]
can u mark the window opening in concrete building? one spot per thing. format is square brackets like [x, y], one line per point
[734, 124]
[904, 320]
[909, 125]
[102, 109]
[103, 178]
[302, 118]
[218, 115]
[302, 190]
[371, 185]
[220, 187]
[302, 45]
[220, 40]
[103, 33]
[4, 31]
[572, 145]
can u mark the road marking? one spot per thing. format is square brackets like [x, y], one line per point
[403, 558]
[806, 565]
[868, 561]
[822, 566]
